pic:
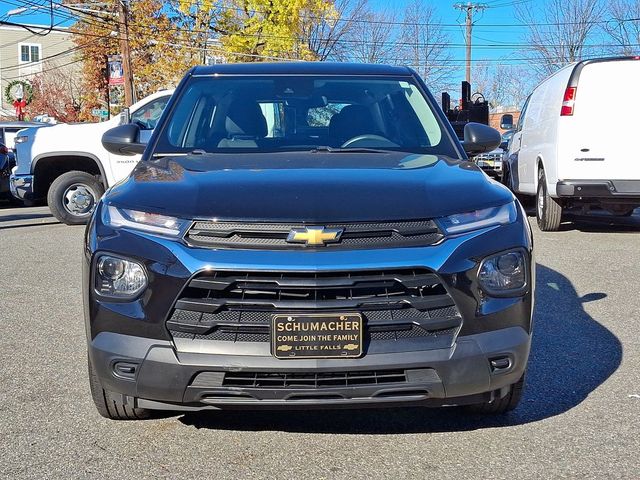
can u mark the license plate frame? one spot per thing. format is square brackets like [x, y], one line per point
[345, 340]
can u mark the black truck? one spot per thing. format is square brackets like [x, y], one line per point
[306, 235]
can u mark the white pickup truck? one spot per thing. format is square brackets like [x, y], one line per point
[67, 164]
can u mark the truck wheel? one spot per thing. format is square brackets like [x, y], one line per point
[501, 405]
[548, 210]
[73, 196]
[108, 404]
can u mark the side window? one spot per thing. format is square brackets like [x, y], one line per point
[274, 115]
[147, 116]
[321, 116]
[523, 113]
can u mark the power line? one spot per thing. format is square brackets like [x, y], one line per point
[400, 23]
[469, 9]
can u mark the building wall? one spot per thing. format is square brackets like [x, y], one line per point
[53, 51]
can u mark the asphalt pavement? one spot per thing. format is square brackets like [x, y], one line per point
[579, 418]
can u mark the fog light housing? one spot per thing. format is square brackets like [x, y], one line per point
[119, 278]
[504, 274]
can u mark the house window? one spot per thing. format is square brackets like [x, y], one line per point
[29, 53]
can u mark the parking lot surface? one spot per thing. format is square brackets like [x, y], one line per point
[580, 415]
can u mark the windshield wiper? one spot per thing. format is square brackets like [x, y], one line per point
[325, 148]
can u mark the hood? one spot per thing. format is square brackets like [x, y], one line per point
[308, 187]
[73, 129]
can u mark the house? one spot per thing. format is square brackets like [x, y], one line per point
[24, 54]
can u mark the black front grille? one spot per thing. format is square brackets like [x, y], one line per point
[238, 307]
[312, 380]
[274, 236]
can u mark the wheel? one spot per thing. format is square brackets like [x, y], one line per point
[73, 196]
[108, 404]
[501, 405]
[548, 210]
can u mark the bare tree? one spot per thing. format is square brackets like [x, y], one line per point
[58, 93]
[504, 85]
[488, 81]
[621, 29]
[372, 39]
[325, 37]
[424, 45]
[558, 30]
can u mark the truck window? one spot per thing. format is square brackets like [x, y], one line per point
[146, 117]
[522, 114]
[321, 116]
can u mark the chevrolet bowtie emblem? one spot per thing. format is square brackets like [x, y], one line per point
[314, 236]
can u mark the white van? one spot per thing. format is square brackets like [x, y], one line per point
[573, 143]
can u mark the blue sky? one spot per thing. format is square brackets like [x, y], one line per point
[485, 32]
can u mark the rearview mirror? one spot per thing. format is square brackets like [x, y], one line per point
[123, 140]
[480, 138]
[506, 121]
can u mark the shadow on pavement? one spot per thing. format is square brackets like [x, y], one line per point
[23, 216]
[602, 222]
[572, 355]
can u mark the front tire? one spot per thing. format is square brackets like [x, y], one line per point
[108, 404]
[501, 405]
[73, 196]
[548, 210]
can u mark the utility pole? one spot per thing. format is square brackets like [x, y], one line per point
[469, 8]
[126, 55]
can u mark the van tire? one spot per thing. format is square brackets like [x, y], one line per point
[108, 404]
[548, 210]
[501, 405]
[62, 190]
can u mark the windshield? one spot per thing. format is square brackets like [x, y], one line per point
[287, 113]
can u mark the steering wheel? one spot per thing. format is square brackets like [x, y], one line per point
[370, 141]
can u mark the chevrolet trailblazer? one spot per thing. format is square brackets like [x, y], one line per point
[305, 235]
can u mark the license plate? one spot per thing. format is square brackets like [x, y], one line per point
[335, 335]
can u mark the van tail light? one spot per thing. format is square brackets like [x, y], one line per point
[568, 102]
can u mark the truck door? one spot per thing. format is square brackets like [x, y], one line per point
[513, 155]
[146, 118]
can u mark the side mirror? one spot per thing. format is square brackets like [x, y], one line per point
[125, 116]
[506, 121]
[480, 138]
[123, 140]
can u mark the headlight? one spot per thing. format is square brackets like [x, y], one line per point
[487, 217]
[119, 278]
[147, 222]
[504, 274]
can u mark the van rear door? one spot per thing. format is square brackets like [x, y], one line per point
[597, 141]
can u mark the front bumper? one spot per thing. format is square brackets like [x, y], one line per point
[493, 170]
[161, 378]
[21, 186]
[135, 355]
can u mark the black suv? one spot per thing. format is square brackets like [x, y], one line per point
[306, 235]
